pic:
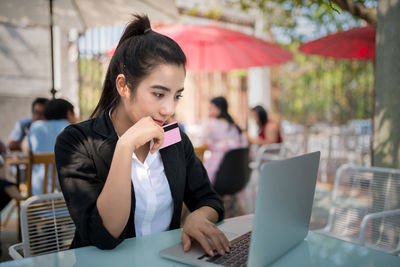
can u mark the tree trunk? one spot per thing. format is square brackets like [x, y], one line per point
[386, 143]
[386, 136]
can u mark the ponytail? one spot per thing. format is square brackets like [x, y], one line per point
[138, 52]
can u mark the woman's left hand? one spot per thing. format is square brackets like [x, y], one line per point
[198, 227]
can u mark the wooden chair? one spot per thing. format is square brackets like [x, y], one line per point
[48, 161]
[199, 150]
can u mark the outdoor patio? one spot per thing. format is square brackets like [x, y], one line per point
[325, 74]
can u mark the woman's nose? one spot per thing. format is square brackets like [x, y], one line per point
[168, 108]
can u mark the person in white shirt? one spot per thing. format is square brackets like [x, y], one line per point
[116, 181]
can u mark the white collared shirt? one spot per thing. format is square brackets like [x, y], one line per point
[154, 205]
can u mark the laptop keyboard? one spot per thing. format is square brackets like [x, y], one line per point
[237, 257]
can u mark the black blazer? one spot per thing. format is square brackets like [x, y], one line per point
[84, 153]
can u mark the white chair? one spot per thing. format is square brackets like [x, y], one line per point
[261, 155]
[267, 153]
[46, 226]
[365, 207]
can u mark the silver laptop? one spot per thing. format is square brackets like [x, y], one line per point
[281, 219]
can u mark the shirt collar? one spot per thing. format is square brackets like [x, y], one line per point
[149, 158]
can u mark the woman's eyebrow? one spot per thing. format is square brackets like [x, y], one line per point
[165, 88]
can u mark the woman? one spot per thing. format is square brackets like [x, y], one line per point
[268, 130]
[220, 135]
[115, 180]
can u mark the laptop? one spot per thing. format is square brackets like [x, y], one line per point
[280, 221]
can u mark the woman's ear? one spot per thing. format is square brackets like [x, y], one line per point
[122, 87]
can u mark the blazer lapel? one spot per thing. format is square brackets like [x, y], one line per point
[169, 156]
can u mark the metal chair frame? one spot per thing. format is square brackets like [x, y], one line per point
[46, 226]
[340, 174]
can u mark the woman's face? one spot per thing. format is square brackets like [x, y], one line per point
[254, 116]
[157, 95]
[213, 111]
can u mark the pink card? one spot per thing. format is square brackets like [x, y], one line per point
[171, 134]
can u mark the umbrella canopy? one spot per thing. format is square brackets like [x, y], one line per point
[81, 14]
[356, 43]
[210, 48]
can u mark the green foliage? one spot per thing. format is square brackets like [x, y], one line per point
[316, 89]
[313, 88]
[91, 72]
[322, 15]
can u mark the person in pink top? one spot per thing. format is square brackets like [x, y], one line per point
[221, 135]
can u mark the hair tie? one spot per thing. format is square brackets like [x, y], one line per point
[147, 30]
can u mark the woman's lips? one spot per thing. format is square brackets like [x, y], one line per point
[159, 122]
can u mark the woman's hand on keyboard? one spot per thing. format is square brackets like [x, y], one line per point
[198, 226]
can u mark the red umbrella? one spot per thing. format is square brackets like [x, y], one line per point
[356, 43]
[210, 48]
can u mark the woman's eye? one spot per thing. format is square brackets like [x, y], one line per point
[178, 97]
[158, 94]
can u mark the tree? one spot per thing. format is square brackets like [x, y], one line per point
[359, 9]
[326, 15]
[386, 132]
[386, 146]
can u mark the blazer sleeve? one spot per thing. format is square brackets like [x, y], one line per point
[198, 190]
[81, 187]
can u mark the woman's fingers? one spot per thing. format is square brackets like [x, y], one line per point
[210, 238]
[142, 132]
[186, 241]
[218, 240]
[205, 244]
[158, 139]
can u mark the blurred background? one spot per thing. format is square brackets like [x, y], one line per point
[341, 102]
[307, 93]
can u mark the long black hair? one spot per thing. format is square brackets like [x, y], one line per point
[138, 52]
[221, 103]
[262, 115]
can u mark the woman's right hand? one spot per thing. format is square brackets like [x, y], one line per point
[143, 131]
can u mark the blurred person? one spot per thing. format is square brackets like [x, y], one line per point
[8, 190]
[116, 181]
[221, 135]
[268, 130]
[21, 127]
[59, 113]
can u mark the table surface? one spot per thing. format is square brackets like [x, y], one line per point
[315, 250]
[17, 158]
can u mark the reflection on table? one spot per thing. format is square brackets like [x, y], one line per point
[316, 250]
